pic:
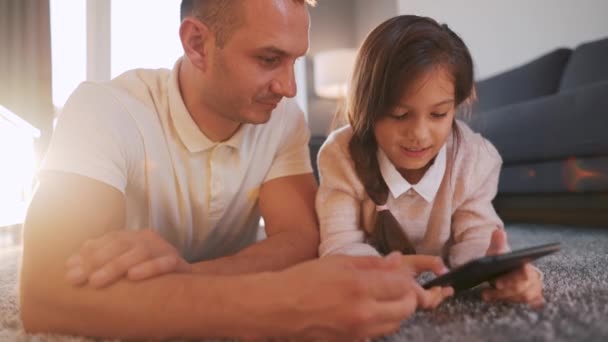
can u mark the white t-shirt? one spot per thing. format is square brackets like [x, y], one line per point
[135, 134]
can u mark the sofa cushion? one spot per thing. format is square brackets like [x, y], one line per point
[537, 78]
[588, 64]
[563, 125]
[561, 176]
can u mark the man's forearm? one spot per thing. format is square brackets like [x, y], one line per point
[277, 252]
[172, 306]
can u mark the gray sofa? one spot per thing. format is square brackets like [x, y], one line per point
[549, 121]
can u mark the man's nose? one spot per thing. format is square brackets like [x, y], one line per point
[285, 83]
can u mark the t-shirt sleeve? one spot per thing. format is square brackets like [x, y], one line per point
[93, 138]
[293, 156]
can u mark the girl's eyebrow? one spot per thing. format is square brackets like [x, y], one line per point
[446, 101]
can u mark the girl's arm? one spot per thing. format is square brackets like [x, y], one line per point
[338, 202]
[475, 219]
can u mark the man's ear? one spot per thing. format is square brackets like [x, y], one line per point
[197, 40]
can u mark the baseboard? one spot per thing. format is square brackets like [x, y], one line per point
[579, 209]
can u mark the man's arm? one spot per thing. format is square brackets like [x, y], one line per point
[66, 211]
[339, 297]
[287, 206]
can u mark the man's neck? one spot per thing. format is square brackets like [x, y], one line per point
[212, 125]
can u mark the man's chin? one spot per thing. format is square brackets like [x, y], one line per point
[259, 117]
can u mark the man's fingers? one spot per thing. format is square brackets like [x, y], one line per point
[527, 292]
[422, 263]
[388, 315]
[391, 261]
[385, 285]
[383, 329]
[93, 255]
[77, 275]
[118, 267]
[107, 253]
[157, 266]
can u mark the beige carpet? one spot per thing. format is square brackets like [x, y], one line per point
[10, 324]
[576, 289]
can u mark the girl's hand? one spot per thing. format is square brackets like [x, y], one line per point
[135, 255]
[431, 298]
[523, 285]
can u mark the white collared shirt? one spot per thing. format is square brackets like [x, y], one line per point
[427, 187]
[134, 133]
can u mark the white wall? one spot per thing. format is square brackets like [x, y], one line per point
[503, 34]
[369, 14]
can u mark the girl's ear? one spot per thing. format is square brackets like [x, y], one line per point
[197, 41]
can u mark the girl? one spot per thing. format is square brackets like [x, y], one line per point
[406, 175]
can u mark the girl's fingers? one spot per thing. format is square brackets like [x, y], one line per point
[526, 292]
[430, 299]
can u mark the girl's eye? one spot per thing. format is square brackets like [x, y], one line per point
[439, 115]
[400, 116]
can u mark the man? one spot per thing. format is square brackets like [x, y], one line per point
[181, 164]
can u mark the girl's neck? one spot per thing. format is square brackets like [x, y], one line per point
[414, 176]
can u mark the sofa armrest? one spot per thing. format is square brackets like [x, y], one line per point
[568, 124]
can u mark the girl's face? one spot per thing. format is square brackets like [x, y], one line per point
[414, 130]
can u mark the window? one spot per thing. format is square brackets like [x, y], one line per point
[68, 47]
[18, 166]
[145, 34]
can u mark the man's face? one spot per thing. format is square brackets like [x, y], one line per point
[416, 128]
[254, 69]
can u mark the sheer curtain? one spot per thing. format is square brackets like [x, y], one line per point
[25, 64]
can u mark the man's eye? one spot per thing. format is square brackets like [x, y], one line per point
[269, 60]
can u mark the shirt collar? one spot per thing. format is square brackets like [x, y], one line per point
[427, 187]
[186, 128]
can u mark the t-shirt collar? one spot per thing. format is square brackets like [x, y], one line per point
[186, 128]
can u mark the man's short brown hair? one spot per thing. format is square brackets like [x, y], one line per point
[222, 16]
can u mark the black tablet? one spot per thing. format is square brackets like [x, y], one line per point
[487, 268]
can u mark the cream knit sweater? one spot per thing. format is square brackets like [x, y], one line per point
[461, 217]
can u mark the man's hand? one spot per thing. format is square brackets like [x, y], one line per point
[523, 285]
[136, 255]
[347, 298]
[431, 298]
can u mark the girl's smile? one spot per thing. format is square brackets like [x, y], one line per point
[414, 131]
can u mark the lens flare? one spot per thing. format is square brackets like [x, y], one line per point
[575, 172]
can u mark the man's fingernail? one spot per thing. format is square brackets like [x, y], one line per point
[74, 260]
[393, 257]
[75, 275]
[99, 277]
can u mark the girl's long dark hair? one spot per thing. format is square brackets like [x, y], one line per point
[391, 59]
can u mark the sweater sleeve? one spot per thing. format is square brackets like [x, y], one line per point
[474, 220]
[338, 202]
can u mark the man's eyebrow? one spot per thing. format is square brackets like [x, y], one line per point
[273, 50]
